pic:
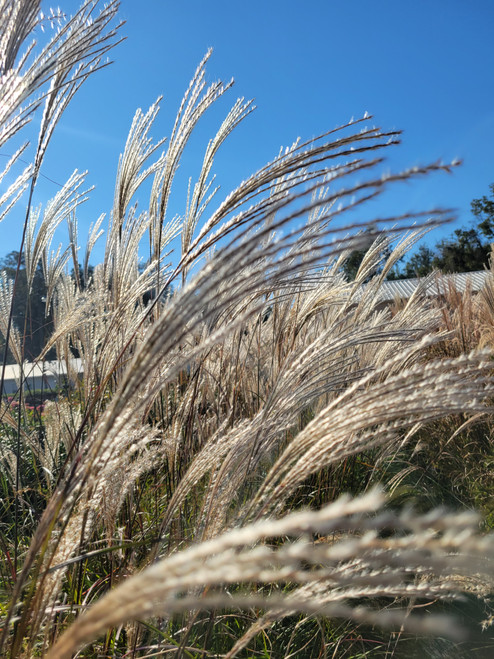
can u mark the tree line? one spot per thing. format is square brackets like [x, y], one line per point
[465, 250]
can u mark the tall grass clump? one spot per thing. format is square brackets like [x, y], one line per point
[200, 463]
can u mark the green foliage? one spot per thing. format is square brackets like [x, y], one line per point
[483, 210]
[354, 260]
[420, 263]
[466, 250]
[28, 307]
[352, 263]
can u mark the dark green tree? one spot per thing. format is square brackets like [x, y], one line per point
[419, 264]
[29, 307]
[465, 251]
[353, 261]
[483, 211]
[81, 279]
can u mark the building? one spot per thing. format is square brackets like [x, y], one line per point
[41, 376]
[434, 285]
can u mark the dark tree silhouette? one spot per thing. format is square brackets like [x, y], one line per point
[29, 307]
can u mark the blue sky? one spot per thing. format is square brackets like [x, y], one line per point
[424, 67]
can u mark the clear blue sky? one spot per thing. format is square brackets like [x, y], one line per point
[425, 67]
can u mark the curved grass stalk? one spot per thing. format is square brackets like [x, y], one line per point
[262, 369]
[240, 557]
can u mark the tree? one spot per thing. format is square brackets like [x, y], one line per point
[466, 250]
[419, 264]
[352, 263]
[483, 210]
[29, 307]
[470, 249]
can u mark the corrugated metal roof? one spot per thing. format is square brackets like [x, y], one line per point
[434, 285]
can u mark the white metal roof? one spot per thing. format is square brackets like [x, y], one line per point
[434, 284]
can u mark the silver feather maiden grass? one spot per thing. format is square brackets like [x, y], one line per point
[210, 387]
